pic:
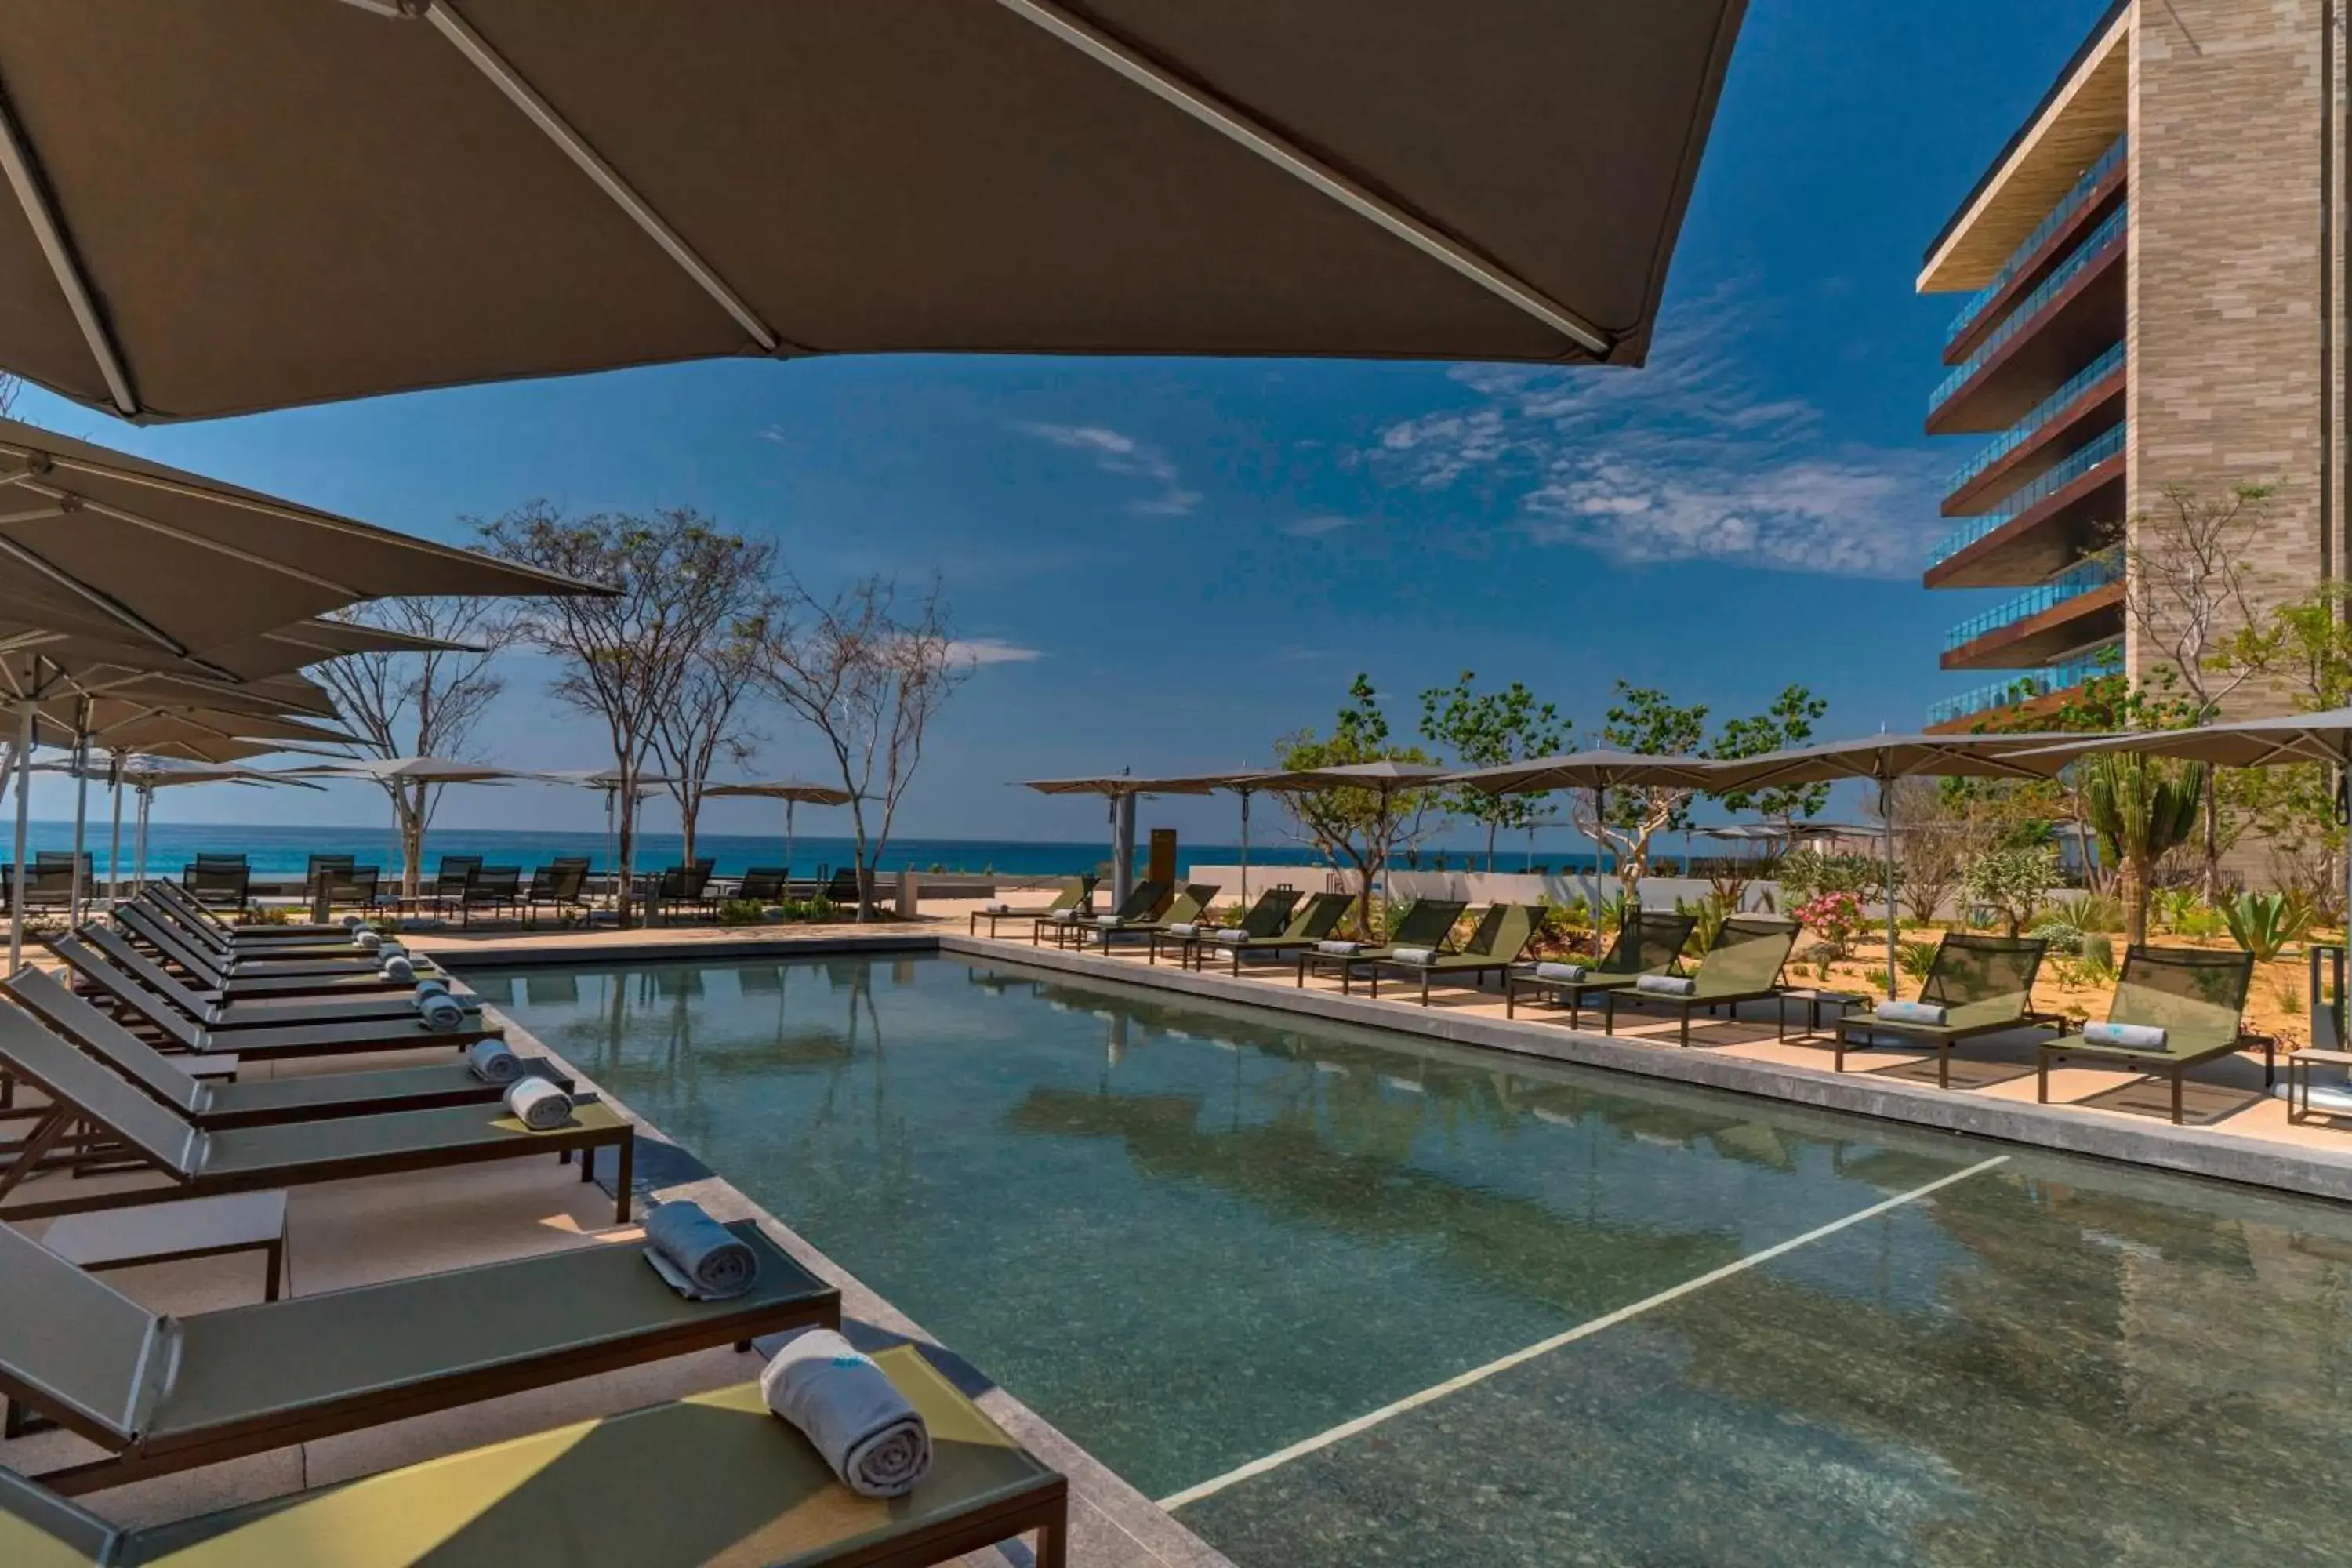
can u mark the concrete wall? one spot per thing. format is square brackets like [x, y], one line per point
[1472, 887]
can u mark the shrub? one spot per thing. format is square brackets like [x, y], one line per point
[2263, 923]
[1915, 958]
[2061, 936]
[742, 912]
[1709, 913]
[1835, 917]
[1809, 874]
[2012, 881]
[2099, 955]
[2098, 912]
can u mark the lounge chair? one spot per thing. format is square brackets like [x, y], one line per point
[206, 1103]
[46, 887]
[168, 895]
[2197, 997]
[264, 1037]
[450, 880]
[259, 942]
[103, 962]
[199, 1163]
[762, 885]
[728, 1473]
[241, 984]
[1744, 966]
[1983, 983]
[218, 879]
[1650, 942]
[165, 1393]
[1185, 908]
[561, 885]
[171, 938]
[498, 889]
[1502, 934]
[1264, 918]
[1074, 891]
[1146, 897]
[682, 886]
[841, 888]
[1311, 923]
[1425, 922]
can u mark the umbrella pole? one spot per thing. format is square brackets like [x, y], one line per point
[81, 818]
[1246, 899]
[1886, 824]
[139, 872]
[114, 845]
[788, 846]
[24, 814]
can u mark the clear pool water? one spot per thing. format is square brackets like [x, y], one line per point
[1195, 1236]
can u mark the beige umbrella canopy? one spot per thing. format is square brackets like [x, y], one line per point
[792, 793]
[145, 775]
[518, 189]
[1122, 791]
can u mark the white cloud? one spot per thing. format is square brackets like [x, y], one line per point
[1115, 453]
[1315, 526]
[991, 650]
[1682, 460]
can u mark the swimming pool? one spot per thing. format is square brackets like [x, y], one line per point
[1341, 1296]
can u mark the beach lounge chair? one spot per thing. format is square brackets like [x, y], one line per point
[46, 887]
[170, 896]
[1424, 922]
[197, 1163]
[450, 880]
[1744, 966]
[561, 886]
[163, 1394]
[222, 879]
[171, 938]
[1649, 941]
[1146, 897]
[682, 887]
[103, 962]
[733, 1478]
[841, 889]
[207, 1103]
[1073, 892]
[1502, 935]
[1185, 908]
[1983, 983]
[1264, 918]
[256, 943]
[762, 885]
[498, 889]
[2195, 997]
[337, 980]
[1312, 922]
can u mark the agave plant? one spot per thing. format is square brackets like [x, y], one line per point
[2264, 923]
[2140, 806]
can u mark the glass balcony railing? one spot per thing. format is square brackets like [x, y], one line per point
[2049, 408]
[2095, 246]
[2071, 583]
[2060, 215]
[2047, 483]
[2028, 684]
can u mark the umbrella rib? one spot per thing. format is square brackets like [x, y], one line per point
[1236, 124]
[261, 563]
[105, 602]
[64, 265]
[539, 112]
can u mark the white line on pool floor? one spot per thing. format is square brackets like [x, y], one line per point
[1478, 1375]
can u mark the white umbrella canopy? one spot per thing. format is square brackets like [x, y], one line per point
[426, 770]
[792, 793]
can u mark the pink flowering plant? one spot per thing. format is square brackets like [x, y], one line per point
[1835, 917]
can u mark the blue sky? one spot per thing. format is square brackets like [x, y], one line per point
[1173, 563]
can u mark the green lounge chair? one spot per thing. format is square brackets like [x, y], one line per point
[1185, 908]
[1985, 985]
[1651, 943]
[128, 1127]
[1425, 922]
[1074, 891]
[163, 1394]
[1313, 922]
[736, 1484]
[1502, 934]
[150, 997]
[1146, 897]
[1744, 966]
[2197, 997]
[1264, 918]
[206, 1103]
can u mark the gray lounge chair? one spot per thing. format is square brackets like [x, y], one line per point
[165, 897]
[1265, 918]
[1744, 966]
[242, 985]
[163, 1394]
[1425, 922]
[102, 962]
[169, 938]
[1502, 935]
[81, 1094]
[1311, 923]
[1649, 941]
[1985, 985]
[2198, 997]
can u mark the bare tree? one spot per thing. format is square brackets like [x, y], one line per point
[678, 584]
[707, 721]
[9, 387]
[870, 679]
[2186, 591]
[422, 704]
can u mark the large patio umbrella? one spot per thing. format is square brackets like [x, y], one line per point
[433, 770]
[1384, 779]
[1885, 758]
[522, 189]
[792, 793]
[1121, 790]
[1599, 771]
[143, 775]
[1243, 783]
[610, 781]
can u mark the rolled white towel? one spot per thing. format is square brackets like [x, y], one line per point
[1566, 973]
[999, 908]
[369, 940]
[443, 1014]
[1338, 949]
[1105, 920]
[1414, 954]
[490, 1061]
[851, 1414]
[701, 1259]
[1236, 937]
[1666, 984]
[2129, 1036]
[1183, 928]
[1898, 1012]
[393, 948]
[538, 1104]
[400, 967]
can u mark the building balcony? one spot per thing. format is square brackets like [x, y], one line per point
[2057, 427]
[2081, 605]
[2090, 202]
[2064, 513]
[2026, 691]
[2069, 319]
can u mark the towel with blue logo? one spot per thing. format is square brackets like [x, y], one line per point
[851, 1412]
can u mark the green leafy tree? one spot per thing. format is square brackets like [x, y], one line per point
[1486, 730]
[1646, 720]
[2140, 806]
[2012, 879]
[1787, 722]
[2305, 648]
[1359, 828]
